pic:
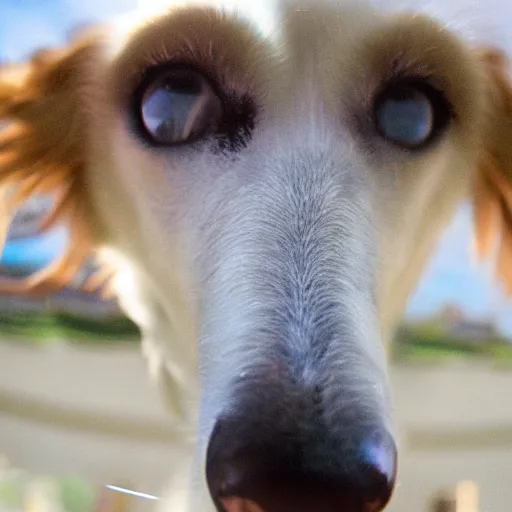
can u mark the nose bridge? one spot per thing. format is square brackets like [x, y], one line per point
[313, 326]
[306, 242]
[315, 238]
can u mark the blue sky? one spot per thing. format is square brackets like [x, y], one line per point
[454, 277]
[451, 276]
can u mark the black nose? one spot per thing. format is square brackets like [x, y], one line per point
[249, 471]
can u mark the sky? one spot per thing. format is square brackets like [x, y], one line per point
[451, 277]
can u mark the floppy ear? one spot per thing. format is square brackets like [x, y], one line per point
[42, 151]
[493, 188]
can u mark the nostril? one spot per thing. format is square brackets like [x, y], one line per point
[317, 396]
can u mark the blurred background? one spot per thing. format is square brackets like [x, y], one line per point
[83, 430]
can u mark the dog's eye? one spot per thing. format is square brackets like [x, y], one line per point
[177, 106]
[411, 114]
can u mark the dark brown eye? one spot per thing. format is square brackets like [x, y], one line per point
[178, 105]
[410, 114]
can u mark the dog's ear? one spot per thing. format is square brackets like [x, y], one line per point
[493, 187]
[42, 151]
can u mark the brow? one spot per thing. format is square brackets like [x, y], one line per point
[219, 44]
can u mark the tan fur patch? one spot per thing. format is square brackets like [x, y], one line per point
[493, 190]
[42, 150]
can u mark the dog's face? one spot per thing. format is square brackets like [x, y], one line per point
[271, 194]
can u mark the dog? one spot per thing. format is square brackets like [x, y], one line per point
[263, 190]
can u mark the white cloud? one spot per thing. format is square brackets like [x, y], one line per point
[96, 10]
[483, 21]
[23, 30]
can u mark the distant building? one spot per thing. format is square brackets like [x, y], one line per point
[24, 227]
[456, 324]
[28, 218]
[452, 314]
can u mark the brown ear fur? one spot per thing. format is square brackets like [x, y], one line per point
[42, 150]
[493, 190]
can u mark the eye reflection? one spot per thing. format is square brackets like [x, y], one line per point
[178, 106]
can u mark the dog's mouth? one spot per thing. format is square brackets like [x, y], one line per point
[240, 505]
[243, 505]
[302, 497]
[307, 503]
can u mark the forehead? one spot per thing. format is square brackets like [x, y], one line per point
[269, 20]
[480, 22]
[289, 28]
[272, 44]
[265, 16]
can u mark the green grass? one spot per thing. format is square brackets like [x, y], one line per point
[44, 328]
[75, 494]
[420, 343]
[11, 493]
[427, 343]
[502, 355]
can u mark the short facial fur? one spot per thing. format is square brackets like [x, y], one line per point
[267, 262]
